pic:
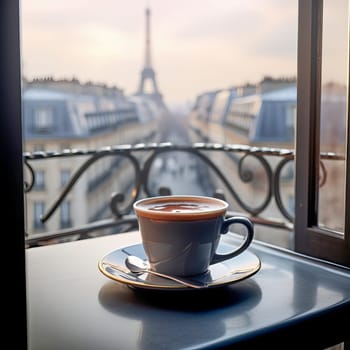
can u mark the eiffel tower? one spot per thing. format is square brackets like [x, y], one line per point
[148, 74]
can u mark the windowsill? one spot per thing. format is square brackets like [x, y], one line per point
[70, 302]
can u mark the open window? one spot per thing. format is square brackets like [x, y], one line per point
[322, 220]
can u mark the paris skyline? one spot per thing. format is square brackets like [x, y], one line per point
[196, 46]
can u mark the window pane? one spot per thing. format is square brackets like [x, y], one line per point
[39, 209]
[39, 180]
[65, 177]
[65, 214]
[43, 118]
[334, 104]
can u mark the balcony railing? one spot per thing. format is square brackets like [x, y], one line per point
[221, 170]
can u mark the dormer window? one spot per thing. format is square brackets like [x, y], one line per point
[43, 119]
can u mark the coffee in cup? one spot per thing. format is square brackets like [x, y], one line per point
[180, 234]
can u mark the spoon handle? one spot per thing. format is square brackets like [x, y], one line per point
[187, 283]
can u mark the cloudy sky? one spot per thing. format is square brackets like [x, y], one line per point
[197, 45]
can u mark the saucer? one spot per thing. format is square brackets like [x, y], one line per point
[229, 271]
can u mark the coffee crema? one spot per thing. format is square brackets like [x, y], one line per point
[181, 207]
[177, 208]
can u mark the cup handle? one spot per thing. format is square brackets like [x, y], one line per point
[245, 244]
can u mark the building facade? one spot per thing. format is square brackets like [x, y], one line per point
[67, 115]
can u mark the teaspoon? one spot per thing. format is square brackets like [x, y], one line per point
[137, 265]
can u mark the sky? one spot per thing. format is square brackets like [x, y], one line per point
[196, 45]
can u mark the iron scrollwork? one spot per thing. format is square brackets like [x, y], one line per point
[142, 157]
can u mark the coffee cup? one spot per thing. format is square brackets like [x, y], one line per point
[181, 233]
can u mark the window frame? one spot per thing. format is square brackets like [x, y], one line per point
[309, 238]
[11, 141]
[12, 163]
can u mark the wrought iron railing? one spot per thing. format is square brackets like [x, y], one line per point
[207, 153]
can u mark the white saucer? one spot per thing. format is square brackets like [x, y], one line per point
[232, 270]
